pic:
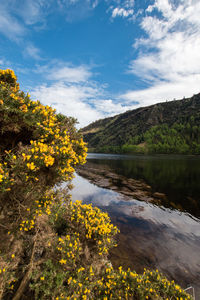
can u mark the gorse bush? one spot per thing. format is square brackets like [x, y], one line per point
[52, 248]
[39, 149]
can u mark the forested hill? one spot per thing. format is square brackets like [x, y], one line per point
[168, 127]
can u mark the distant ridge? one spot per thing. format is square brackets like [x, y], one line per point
[135, 126]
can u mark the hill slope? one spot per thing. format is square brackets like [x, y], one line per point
[175, 124]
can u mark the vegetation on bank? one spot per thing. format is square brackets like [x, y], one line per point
[180, 138]
[50, 247]
[170, 127]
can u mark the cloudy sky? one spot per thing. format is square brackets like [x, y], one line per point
[95, 58]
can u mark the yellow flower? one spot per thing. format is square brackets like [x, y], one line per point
[49, 160]
[42, 278]
[63, 261]
[69, 280]
[24, 108]
[31, 166]
[81, 269]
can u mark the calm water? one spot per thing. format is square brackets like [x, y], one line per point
[167, 236]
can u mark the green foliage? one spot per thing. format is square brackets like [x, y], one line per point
[108, 149]
[131, 149]
[182, 138]
[48, 283]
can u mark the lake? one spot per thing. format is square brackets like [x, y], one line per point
[159, 228]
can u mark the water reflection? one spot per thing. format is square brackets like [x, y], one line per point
[174, 175]
[150, 236]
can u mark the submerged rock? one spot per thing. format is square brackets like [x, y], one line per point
[107, 178]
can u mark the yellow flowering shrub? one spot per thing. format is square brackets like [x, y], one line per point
[38, 149]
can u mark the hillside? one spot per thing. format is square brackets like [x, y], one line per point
[168, 127]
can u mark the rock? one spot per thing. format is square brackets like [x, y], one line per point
[107, 178]
[159, 195]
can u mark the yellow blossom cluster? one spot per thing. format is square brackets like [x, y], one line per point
[8, 77]
[95, 223]
[120, 284]
[55, 145]
[130, 285]
[39, 154]
[41, 206]
[2, 270]
[4, 177]
[69, 248]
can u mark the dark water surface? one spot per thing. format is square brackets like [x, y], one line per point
[164, 236]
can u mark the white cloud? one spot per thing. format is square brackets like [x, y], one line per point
[122, 12]
[65, 3]
[31, 11]
[150, 8]
[169, 58]
[70, 74]
[162, 91]
[83, 102]
[73, 94]
[5, 64]
[110, 108]
[9, 26]
[69, 100]
[76, 10]
[18, 17]
[123, 9]
[17, 14]
[129, 3]
[95, 3]
[33, 52]
[57, 70]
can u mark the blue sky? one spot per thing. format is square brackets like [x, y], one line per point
[96, 58]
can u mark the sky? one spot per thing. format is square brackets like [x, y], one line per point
[92, 59]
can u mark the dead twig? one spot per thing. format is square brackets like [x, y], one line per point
[26, 278]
